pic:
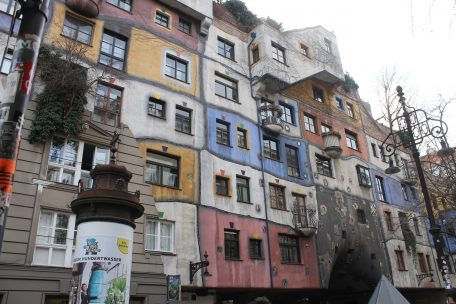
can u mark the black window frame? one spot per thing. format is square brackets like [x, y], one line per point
[76, 28]
[289, 249]
[380, 186]
[240, 187]
[222, 132]
[374, 150]
[227, 85]
[287, 117]
[162, 19]
[185, 26]
[361, 216]
[364, 178]
[351, 140]
[339, 103]
[171, 71]
[117, 3]
[278, 52]
[241, 141]
[222, 50]
[309, 123]
[350, 110]
[268, 152]
[173, 169]
[232, 249]
[256, 251]
[292, 161]
[110, 59]
[222, 185]
[400, 260]
[318, 94]
[183, 120]
[277, 197]
[324, 166]
[152, 107]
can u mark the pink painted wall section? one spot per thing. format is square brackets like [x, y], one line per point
[247, 272]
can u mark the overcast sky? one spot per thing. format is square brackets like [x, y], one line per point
[418, 37]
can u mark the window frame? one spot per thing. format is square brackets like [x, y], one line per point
[389, 220]
[400, 262]
[422, 262]
[7, 58]
[240, 187]
[172, 71]
[222, 190]
[366, 180]
[106, 105]
[323, 169]
[351, 140]
[158, 237]
[292, 164]
[153, 110]
[183, 23]
[222, 136]
[305, 50]
[278, 53]
[268, 152]
[289, 246]
[162, 18]
[227, 84]
[111, 58]
[277, 199]
[229, 254]
[416, 226]
[374, 150]
[122, 7]
[183, 120]
[9, 9]
[222, 49]
[361, 216]
[325, 128]
[380, 189]
[328, 46]
[382, 154]
[318, 94]
[258, 253]
[287, 113]
[339, 103]
[77, 30]
[405, 195]
[309, 123]
[159, 170]
[241, 141]
[350, 110]
[255, 54]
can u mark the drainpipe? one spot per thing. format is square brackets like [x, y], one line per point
[19, 83]
[253, 36]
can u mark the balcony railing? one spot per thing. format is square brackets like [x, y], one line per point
[409, 177]
[270, 117]
[305, 220]
[332, 144]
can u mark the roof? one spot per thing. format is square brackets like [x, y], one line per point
[386, 293]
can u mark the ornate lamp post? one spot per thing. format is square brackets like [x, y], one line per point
[409, 130]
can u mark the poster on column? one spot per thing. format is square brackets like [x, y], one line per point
[102, 264]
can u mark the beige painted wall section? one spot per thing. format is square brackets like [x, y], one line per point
[146, 59]
[188, 173]
[54, 31]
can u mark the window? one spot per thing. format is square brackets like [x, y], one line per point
[161, 19]
[270, 148]
[350, 111]
[225, 48]
[328, 46]
[71, 160]
[416, 225]
[287, 113]
[352, 140]
[113, 49]
[226, 87]
[241, 138]
[374, 150]
[318, 94]
[382, 154]
[361, 216]
[256, 249]
[123, 4]
[223, 132]
[232, 245]
[304, 50]
[325, 128]
[389, 221]
[309, 123]
[6, 62]
[380, 188]
[302, 219]
[159, 236]
[162, 170]
[156, 108]
[55, 239]
[278, 52]
[404, 192]
[176, 68]
[7, 6]
[429, 264]
[242, 189]
[400, 260]
[289, 249]
[77, 29]
[183, 120]
[323, 165]
[340, 103]
[292, 161]
[277, 197]
[222, 185]
[422, 262]
[363, 176]
[107, 107]
[185, 26]
[255, 54]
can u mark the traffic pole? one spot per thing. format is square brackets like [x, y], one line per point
[18, 87]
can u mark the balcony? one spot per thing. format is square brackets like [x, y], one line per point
[270, 117]
[87, 8]
[305, 220]
[332, 144]
[409, 175]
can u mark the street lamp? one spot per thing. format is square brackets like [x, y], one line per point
[409, 130]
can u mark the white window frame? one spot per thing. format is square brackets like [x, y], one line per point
[157, 244]
[68, 247]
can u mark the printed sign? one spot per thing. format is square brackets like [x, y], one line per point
[102, 263]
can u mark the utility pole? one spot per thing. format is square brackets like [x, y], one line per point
[18, 87]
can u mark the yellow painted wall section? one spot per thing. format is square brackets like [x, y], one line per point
[54, 32]
[146, 59]
[188, 173]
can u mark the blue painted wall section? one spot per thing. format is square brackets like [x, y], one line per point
[250, 156]
[393, 191]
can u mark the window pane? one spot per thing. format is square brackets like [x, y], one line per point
[58, 257]
[41, 256]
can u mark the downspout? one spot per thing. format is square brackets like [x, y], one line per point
[253, 36]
